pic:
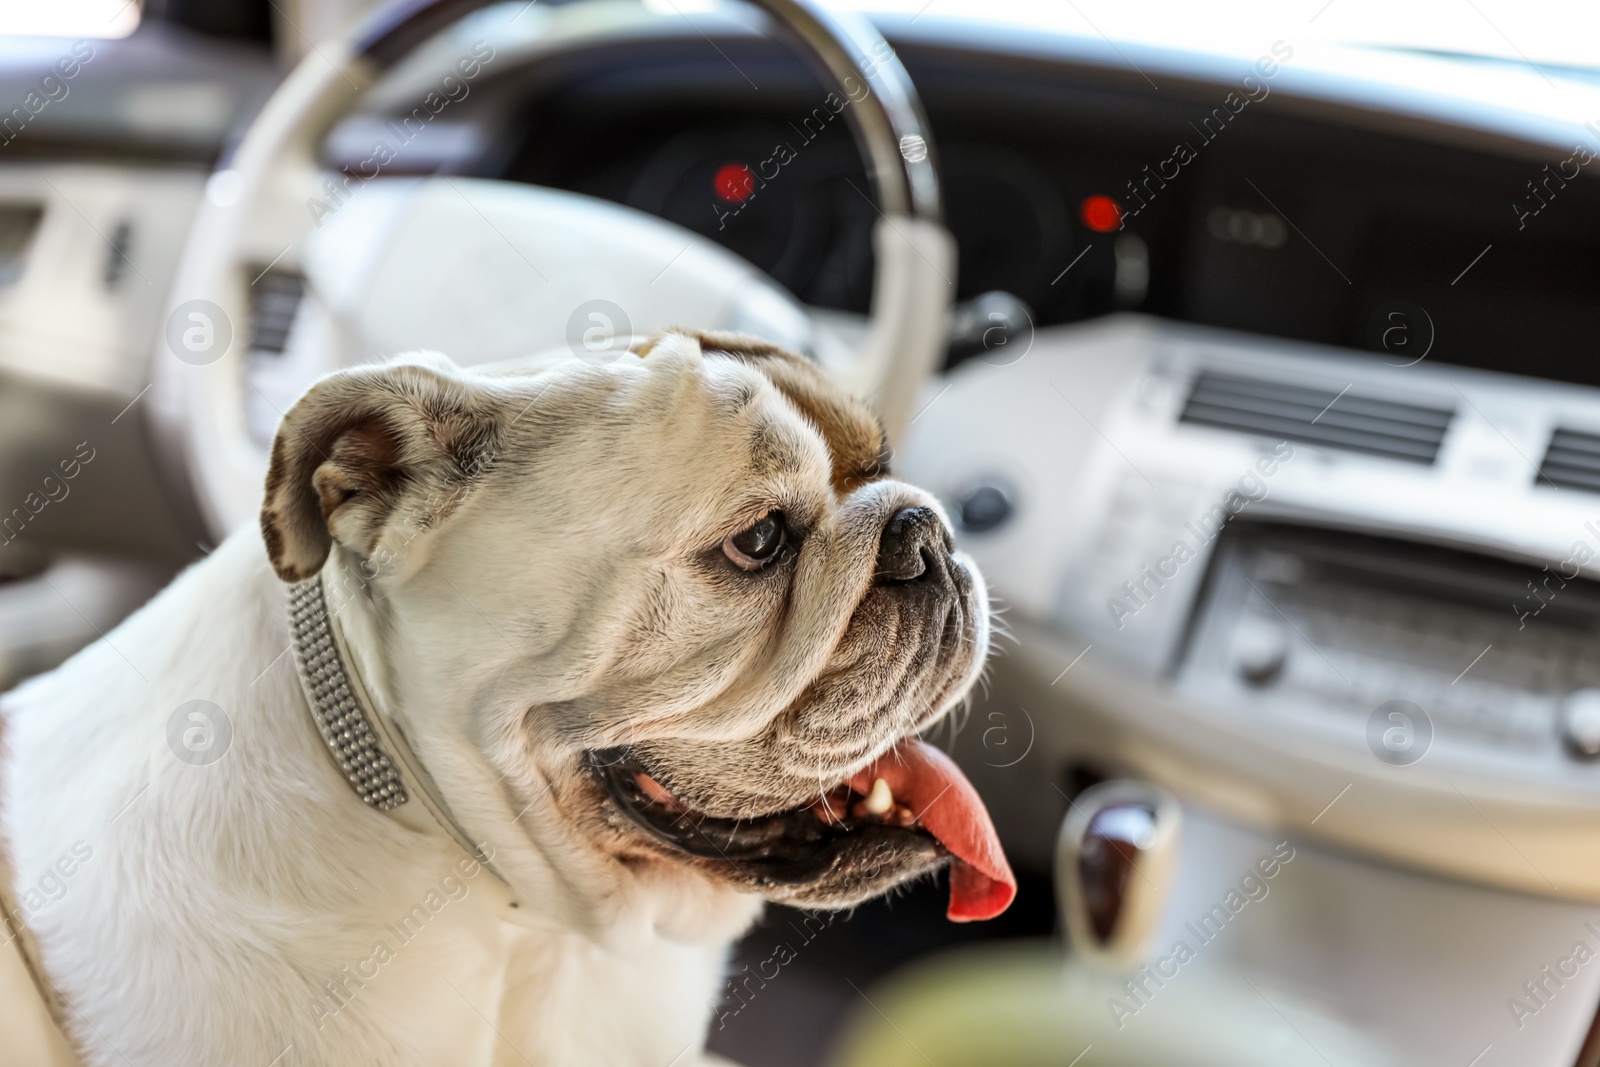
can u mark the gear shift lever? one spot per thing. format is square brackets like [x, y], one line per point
[1115, 858]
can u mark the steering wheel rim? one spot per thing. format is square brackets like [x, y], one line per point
[198, 407]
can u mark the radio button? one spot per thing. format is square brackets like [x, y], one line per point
[1260, 648]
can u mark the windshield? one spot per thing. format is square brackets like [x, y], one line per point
[68, 18]
[1563, 33]
[1557, 33]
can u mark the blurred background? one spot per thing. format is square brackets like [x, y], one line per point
[1266, 399]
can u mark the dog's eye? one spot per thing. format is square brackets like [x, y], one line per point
[758, 545]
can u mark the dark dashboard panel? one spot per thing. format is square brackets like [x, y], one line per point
[1272, 221]
[1403, 248]
[1012, 184]
[802, 211]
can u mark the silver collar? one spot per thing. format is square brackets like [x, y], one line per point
[343, 723]
[371, 750]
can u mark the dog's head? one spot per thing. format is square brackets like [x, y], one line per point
[676, 603]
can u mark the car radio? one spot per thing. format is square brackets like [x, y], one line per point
[1433, 647]
[1307, 587]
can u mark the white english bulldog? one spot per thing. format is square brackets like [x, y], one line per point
[535, 682]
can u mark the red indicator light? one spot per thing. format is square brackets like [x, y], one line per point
[1100, 213]
[734, 183]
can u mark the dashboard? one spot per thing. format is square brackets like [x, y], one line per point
[1083, 191]
[1339, 352]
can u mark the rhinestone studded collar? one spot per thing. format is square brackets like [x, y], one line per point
[343, 723]
[371, 750]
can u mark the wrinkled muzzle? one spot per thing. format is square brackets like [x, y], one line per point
[834, 801]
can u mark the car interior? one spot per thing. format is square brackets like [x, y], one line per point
[1250, 349]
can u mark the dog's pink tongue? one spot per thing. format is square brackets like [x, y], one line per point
[947, 806]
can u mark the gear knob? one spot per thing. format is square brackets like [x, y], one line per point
[1115, 859]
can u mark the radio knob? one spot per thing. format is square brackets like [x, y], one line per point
[1260, 648]
[984, 508]
[1580, 722]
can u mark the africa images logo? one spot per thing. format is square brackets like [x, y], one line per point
[1253, 88]
[1141, 589]
[1251, 888]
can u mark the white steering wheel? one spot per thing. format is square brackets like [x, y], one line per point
[487, 270]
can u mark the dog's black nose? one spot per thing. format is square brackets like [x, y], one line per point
[914, 547]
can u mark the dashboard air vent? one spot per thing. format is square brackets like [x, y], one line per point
[1327, 417]
[274, 299]
[1572, 461]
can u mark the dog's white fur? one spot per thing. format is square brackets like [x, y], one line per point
[229, 913]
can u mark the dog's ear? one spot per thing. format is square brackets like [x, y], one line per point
[373, 456]
[854, 435]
